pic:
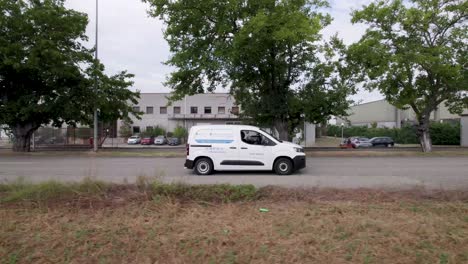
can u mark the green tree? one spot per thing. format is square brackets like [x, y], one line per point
[415, 53]
[260, 49]
[47, 75]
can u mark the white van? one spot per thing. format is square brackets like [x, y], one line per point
[234, 147]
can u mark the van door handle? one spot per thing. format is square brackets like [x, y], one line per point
[243, 148]
[232, 147]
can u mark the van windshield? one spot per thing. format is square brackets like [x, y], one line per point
[268, 133]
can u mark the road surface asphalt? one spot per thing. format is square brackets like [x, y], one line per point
[379, 172]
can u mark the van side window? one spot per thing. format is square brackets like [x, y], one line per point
[255, 138]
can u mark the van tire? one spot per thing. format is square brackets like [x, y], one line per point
[283, 166]
[203, 166]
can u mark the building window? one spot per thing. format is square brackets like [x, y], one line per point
[136, 109]
[136, 130]
[176, 109]
[149, 110]
[221, 110]
[194, 110]
[235, 110]
[207, 109]
[163, 110]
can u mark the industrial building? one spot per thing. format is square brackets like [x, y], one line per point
[199, 109]
[384, 114]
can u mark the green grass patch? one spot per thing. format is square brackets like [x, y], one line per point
[50, 190]
[208, 193]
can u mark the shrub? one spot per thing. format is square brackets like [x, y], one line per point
[445, 133]
[180, 132]
[154, 132]
[125, 130]
[441, 133]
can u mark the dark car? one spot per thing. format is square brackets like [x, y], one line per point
[147, 140]
[382, 142]
[173, 141]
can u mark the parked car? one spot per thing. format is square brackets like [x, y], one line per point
[173, 141]
[134, 140]
[348, 142]
[147, 141]
[240, 148]
[361, 143]
[382, 142]
[160, 140]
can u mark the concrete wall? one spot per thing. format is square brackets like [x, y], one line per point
[464, 131]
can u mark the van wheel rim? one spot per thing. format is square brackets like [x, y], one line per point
[283, 167]
[203, 167]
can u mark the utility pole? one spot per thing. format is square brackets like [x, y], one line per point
[95, 138]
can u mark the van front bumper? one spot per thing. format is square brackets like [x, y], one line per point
[299, 162]
[188, 164]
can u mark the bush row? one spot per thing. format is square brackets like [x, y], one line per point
[441, 133]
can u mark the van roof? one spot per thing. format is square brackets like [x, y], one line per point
[226, 126]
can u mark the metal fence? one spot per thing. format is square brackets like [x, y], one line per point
[48, 136]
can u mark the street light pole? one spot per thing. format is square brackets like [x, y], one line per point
[342, 127]
[95, 138]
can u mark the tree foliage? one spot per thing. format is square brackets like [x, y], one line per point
[262, 50]
[415, 52]
[47, 75]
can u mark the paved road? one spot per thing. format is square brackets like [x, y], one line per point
[388, 172]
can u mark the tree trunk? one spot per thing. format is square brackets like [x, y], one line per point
[23, 134]
[424, 136]
[282, 127]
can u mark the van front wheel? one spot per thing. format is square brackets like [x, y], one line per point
[283, 166]
[203, 166]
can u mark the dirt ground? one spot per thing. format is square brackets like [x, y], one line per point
[301, 226]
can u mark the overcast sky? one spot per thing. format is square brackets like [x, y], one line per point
[131, 40]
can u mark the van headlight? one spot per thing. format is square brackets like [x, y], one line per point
[299, 149]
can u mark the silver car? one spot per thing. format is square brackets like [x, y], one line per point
[160, 140]
[361, 143]
[134, 140]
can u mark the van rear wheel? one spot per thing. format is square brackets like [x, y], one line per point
[203, 166]
[283, 166]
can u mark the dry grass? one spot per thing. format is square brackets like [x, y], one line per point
[292, 232]
[144, 224]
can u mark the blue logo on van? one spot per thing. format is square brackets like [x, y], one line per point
[214, 141]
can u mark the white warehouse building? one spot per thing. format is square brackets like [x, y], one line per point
[199, 109]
